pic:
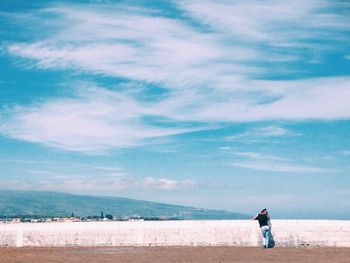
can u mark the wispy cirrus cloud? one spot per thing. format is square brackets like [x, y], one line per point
[136, 44]
[44, 167]
[272, 163]
[210, 67]
[101, 186]
[259, 156]
[272, 131]
[262, 133]
[94, 121]
[272, 23]
[278, 167]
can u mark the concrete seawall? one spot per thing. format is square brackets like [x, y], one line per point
[292, 233]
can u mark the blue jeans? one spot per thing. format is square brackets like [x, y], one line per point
[265, 230]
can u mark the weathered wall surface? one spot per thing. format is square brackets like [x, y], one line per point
[175, 233]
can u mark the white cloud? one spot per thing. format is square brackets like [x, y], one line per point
[259, 156]
[52, 169]
[167, 184]
[95, 121]
[278, 167]
[134, 45]
[23, 161]
[107, 173]
[203, 69]
[262, 133]
[272, 131]
[225, 148]
[79, 177]
[272, 163]
[207, 75]
[68, 184]
[101, 185]
[272, 23]
[294, 100]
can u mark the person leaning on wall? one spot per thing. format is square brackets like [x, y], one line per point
[265, 226]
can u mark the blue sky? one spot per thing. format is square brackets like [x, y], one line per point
[234, 105]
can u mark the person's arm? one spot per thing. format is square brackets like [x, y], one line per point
[256, 217]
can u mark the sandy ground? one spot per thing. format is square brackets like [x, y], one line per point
[175, 254]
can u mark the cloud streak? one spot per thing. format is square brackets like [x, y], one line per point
[95, 121]
[272, 23]
[209, 67]
[101, 185]
[271, 163]
[278, 167]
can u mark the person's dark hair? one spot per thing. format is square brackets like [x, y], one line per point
[262, 211]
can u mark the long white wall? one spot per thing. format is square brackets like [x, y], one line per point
[175, 233]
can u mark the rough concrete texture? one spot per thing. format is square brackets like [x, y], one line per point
[287, 233]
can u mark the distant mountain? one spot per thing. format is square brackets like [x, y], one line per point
[63, 204]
